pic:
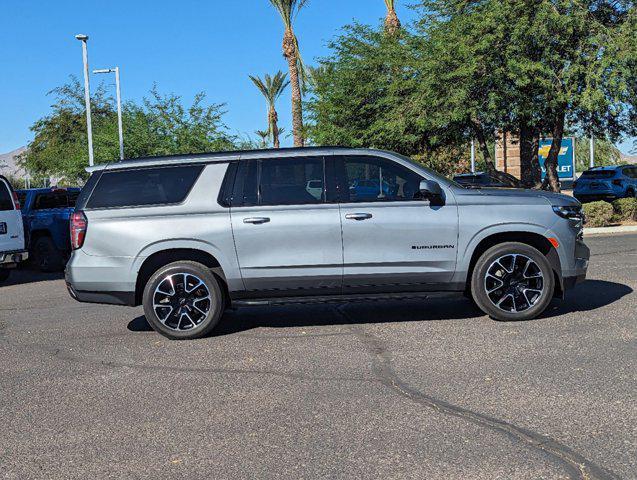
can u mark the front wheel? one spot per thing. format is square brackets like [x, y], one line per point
[183, 300]
[512, 281]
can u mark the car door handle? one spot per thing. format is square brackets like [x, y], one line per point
[256, 220]
[358, 216]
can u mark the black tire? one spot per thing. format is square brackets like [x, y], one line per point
[183, 311]
[630, 193]
[46, 256]
[5, 273]
[522, 283]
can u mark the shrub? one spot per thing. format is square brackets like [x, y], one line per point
[625, 209]
[598, 214]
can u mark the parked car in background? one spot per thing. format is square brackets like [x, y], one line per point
[606, 183]
[483, 179]
[46, 213]
[12, 246]
[189, 236]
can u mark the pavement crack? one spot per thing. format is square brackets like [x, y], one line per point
[577, 466]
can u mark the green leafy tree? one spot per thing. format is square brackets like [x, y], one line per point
[272, 88]
[288, 9]
[358, 94]
[160, 125]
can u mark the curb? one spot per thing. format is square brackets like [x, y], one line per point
[610, 230]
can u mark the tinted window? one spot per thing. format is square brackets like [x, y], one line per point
[599, 173]
[374, 179]
[6, 200]
[22, 198]
[148, 186]
[287, 181]
[55, 200]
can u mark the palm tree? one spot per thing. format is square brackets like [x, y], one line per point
[272, 88]
[392, 23]
[288, 9]
[264, 135]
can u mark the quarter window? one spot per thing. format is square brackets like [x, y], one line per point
[375, 179]
[148, 186]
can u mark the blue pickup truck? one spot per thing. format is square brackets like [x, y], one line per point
[46, 213]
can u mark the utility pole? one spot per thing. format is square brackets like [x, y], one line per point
[591, 152]
[473, 156]
[119, 107]
[87, 97]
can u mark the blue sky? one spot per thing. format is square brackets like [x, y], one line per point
[184, 47]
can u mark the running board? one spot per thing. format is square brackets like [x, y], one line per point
[262, 302]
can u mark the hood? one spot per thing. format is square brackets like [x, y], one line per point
[517, 196]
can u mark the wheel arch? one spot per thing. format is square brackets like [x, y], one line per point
[160, 258]
[533, 239]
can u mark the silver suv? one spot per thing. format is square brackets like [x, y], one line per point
[190, 236]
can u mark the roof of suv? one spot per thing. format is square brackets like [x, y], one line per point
[231, 155]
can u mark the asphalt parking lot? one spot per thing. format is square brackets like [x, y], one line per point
[411, 389]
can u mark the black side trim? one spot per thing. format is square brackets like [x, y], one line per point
[258, 302]
[110, 298]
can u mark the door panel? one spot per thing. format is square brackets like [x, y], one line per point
[404, 246]
[393, 240]
[287, 237]
[296, 251]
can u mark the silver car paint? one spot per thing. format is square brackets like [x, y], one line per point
[314, 247]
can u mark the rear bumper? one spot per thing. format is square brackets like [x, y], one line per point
[593, 197]
[11, 259]
[111, 298]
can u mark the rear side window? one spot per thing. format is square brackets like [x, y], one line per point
[141, 187]
[6, 200]
[599, 174]
[55, 200]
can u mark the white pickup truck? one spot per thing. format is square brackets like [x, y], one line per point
[12, 249]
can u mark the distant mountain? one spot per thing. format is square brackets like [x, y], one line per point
[8, 163]
[629, 158]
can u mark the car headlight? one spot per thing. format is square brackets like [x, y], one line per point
[570, 212]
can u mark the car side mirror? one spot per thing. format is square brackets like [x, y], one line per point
[430, 189]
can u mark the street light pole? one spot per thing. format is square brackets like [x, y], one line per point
[473, 156]
[87, 97]
[591, 152]
[119, 107]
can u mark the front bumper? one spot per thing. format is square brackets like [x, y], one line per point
[578, 273]
[11, 259]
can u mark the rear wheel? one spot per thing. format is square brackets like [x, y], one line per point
[631, 193]
[46, 256]
[183, 300]
[512, 281]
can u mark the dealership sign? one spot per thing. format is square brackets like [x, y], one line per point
[565, 159]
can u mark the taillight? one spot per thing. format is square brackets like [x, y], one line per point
[16, 202]
[79, 224]
[617, 182]
[575, 184]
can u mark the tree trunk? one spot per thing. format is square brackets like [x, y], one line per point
[529, 161]
[552, 180]
[291, 54]
[392, 23]
[491, 170]
[273, 120]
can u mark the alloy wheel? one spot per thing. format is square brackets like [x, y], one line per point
[182, 301]
[514, 283]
